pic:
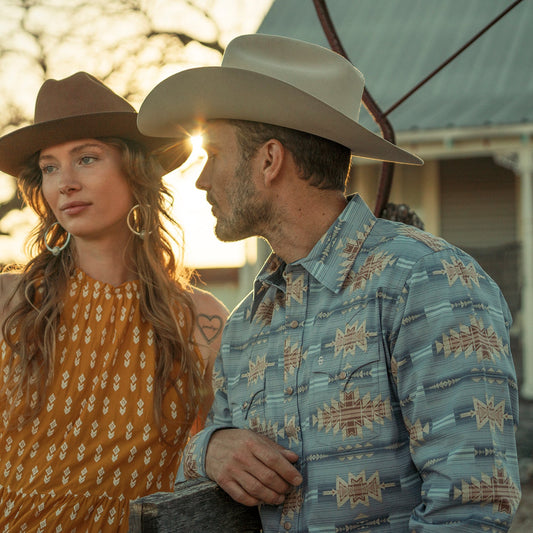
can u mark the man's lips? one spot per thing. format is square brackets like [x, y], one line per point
[213, 204]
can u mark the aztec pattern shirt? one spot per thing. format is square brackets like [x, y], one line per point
[382, 359]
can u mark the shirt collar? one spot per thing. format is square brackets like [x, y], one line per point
[332, 257]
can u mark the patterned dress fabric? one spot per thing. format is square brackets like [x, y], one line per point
[382, 359]
[95, 445]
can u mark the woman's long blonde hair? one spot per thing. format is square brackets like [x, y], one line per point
[30, 328]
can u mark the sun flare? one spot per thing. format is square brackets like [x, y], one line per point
[196, 142]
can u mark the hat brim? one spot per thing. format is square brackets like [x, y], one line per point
[18, 146]
[207, 93]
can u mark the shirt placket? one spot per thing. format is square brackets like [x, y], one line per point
[296, 279]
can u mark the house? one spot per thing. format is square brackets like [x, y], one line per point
[472, 124]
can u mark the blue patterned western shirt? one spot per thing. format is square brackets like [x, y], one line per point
[382, 359]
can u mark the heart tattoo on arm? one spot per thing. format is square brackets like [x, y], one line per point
[210, 326]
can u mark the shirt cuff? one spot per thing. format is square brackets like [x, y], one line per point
[194, 454]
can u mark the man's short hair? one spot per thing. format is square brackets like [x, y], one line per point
[323, 163]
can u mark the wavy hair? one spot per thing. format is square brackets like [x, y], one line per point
[30, 328]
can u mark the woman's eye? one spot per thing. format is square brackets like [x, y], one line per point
[48, 169]
[87, 159]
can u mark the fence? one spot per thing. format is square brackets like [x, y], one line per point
[194, 506]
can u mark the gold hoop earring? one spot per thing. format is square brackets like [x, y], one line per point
[56, 250]
[135, 212]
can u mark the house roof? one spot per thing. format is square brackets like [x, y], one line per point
[397, 43]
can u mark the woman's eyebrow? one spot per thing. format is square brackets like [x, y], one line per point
[74, 150]
[85, 146]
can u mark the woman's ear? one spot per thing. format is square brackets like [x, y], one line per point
[272, 155]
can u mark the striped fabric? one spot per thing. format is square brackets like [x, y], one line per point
[383, 360]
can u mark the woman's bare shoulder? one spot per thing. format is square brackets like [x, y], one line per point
[8, 285]
[207, 304]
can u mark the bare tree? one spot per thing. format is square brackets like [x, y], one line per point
[129, 44]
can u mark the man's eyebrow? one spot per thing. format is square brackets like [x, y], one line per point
[211, 143]
[206, 139]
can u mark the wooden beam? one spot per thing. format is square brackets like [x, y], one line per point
[197, 505]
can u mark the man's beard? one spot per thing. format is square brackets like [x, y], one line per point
[250, 214]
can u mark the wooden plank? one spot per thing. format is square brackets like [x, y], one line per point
[196, 505]
[135, 519]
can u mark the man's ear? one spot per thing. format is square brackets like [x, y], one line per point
[273, 154]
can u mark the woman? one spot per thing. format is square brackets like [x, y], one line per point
[104, 365]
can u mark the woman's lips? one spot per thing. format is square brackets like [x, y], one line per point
[74, 208]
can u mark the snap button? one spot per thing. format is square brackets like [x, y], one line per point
[289, 390]
[294, 324]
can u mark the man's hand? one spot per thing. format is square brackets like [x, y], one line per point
[251, 468]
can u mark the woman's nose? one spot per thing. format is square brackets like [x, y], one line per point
[67, 181]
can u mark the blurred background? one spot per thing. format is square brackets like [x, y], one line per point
[472, 123]
[131, 45]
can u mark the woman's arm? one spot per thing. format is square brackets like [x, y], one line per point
[211, 316]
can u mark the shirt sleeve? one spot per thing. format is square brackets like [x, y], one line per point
[457, 390]
[218, 418]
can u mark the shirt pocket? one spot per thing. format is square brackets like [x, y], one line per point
[248, 373]
[247, 399]
[253, 408]
[348, 405]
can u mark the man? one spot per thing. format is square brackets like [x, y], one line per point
[366, 382]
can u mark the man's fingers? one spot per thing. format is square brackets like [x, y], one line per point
[266, 471]
[244, 496]
[289, 455]
[279, 468]
[250, 467]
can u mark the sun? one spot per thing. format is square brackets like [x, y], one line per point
[196, 143]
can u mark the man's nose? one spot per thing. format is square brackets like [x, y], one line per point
[202, 182]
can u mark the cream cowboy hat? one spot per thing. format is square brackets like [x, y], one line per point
[77, 107]
[276, 80]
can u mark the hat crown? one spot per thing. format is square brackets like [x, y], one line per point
[320, 72]
[82, 107]
[77, 95]
[274, 80]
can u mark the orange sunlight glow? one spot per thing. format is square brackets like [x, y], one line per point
[191, 210]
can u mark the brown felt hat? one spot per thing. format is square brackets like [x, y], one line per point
[80, 107]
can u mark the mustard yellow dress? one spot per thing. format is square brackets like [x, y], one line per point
[95, 446]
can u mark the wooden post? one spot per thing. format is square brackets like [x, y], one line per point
[197, 505]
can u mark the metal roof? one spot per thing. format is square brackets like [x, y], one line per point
[397, 43]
